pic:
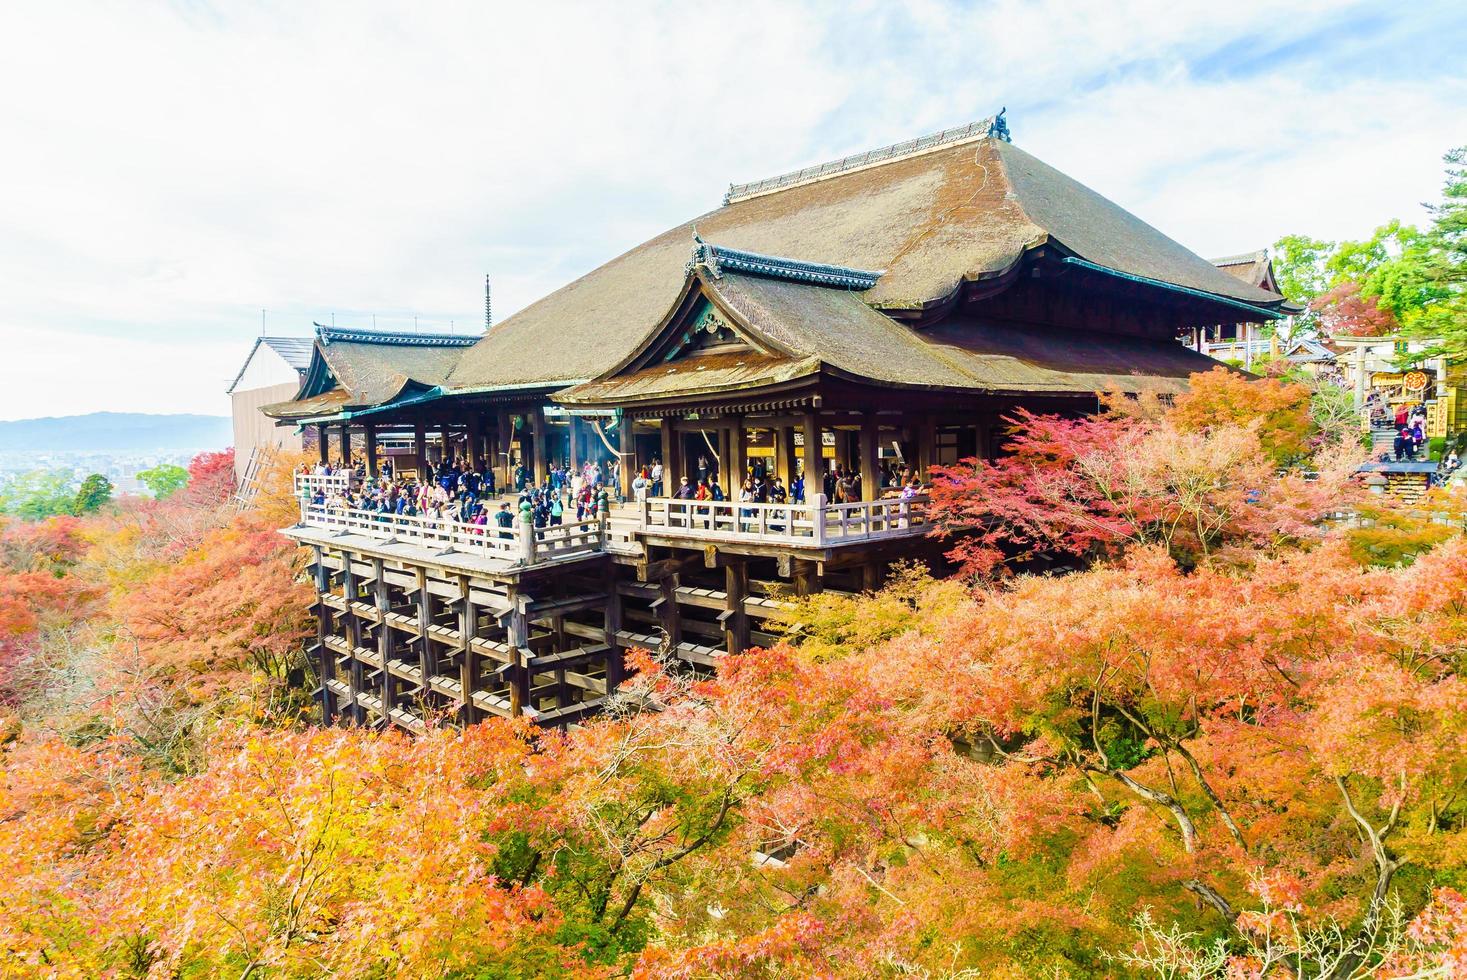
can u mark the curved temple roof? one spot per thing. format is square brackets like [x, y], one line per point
[930, 220]
[800, 329]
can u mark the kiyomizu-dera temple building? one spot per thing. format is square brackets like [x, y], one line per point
[877, 315]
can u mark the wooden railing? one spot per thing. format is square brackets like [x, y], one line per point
[307, 485]
[817, 524]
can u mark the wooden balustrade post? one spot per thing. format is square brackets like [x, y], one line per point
[526, 532]
[817, 513]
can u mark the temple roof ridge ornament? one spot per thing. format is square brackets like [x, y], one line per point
[718, 259]
[345, 335]
[1242, 258]
[994, 126]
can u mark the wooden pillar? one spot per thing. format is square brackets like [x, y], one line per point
[926, 445]
[323, 440]
[345, 444]
[674, 465]
[735, 616]
[475, 450]
[723, 441]
[370, 435]
[517, 636]
[427, 656]
[420, 448]
[671, 470]
[842, 450]
[738, 456]
[353, 636]
[611, 631]
[626, 447]
[445, 435]
[807, 577]
[871, 575]
[784, 453]
[870, 443]
[503, 462]
[537, 445]
[814, 459]
[573, 443]
[667, 612]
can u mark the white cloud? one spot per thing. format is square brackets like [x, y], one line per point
[168, 170]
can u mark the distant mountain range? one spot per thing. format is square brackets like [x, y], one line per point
[117, 432]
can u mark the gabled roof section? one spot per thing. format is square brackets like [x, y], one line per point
[1254, 268]
[376, 367]
[958, 211]
[294, 351]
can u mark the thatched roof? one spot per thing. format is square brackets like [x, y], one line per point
[371, 368]
[930, 221]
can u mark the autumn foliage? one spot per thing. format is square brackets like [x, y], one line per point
[1229, 741]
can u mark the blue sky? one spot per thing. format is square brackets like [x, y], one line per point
[170, 169]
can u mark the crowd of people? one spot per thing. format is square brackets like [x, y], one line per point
[1410, 427]
[841, 485]
[464, 490]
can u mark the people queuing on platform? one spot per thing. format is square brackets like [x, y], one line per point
[465, 491]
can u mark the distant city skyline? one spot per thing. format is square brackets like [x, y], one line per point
[368, 158]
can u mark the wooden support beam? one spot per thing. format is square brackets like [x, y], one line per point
[385, 649]
[427, 656]
[516, 638]
[323, 623]
[323, 443]
[469, 659]
[666, 609]
[345, 444]
[612, 625]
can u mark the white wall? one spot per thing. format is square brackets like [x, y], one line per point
[253, 429]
